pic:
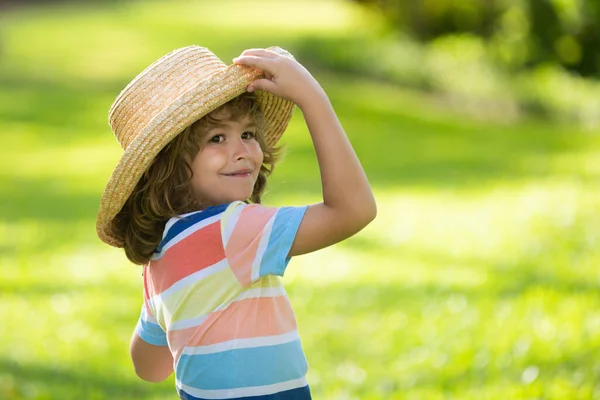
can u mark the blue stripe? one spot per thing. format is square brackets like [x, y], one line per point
[188, 221]
[286, 224]
[302, 393]
[239, 368]
[151, 333]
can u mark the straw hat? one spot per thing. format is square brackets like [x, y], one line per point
[171, 94]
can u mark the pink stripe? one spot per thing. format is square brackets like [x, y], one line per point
[245, 238]
[146, 292]
[248, 318]
[200, 250]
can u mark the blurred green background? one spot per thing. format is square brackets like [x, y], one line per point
[477, 123]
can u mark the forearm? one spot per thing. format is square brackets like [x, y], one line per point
[345, 185]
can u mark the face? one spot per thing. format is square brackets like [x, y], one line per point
[227, 165]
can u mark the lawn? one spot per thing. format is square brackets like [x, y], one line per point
[478, 279]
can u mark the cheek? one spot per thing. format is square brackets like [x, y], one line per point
[202, 165]
[208, 158]
[258, 154]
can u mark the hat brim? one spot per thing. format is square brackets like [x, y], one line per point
[192, 105]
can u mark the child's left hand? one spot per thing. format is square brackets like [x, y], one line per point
[284, 76]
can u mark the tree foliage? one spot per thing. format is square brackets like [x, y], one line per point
[522, 33]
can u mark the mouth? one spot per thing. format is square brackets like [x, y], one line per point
[242, 173]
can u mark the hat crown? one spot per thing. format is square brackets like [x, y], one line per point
[158, 86]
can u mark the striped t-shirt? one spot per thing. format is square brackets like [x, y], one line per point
[212, 293]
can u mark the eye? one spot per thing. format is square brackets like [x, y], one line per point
[217, 139]
[248, 135]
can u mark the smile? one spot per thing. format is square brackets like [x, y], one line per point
[240, 175]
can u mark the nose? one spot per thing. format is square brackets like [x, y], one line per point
[241, 150]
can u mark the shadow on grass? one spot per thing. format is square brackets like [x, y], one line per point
[45, 200]
[49, 214]
[73, 383]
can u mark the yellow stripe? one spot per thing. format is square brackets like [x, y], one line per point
[202, 297]
[227, 215]
[268, 281]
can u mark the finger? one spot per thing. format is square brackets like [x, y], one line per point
[266, 64]
[262, 84]
[260, 53]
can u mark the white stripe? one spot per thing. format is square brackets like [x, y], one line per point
[190, 279]
[172, 221]
[231, 223]
[243, 392]
[262, 247]
[188, 323]
[148, 317]
[245, 343]
[248, 294]
[168, 226]
[185, 233]
[259, 292]
[161, 313]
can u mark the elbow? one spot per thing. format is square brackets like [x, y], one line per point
[152, 379]
[369, 212]
[366, 215]
[372, 213]
[150, 375]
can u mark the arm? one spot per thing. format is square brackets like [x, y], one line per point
[151, 363]
[348, 203]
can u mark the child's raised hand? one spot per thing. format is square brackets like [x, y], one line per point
[284, 76]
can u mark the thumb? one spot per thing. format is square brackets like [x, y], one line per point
[262, 84]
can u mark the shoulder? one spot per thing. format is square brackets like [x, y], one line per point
[256, 217]
[248, 221]
[239, 211]
[185, 224]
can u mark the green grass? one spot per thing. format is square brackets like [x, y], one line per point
[478, 279]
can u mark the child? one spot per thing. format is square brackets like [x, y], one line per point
[184, 202]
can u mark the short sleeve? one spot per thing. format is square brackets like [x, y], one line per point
[257, 239]
[149, 330]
